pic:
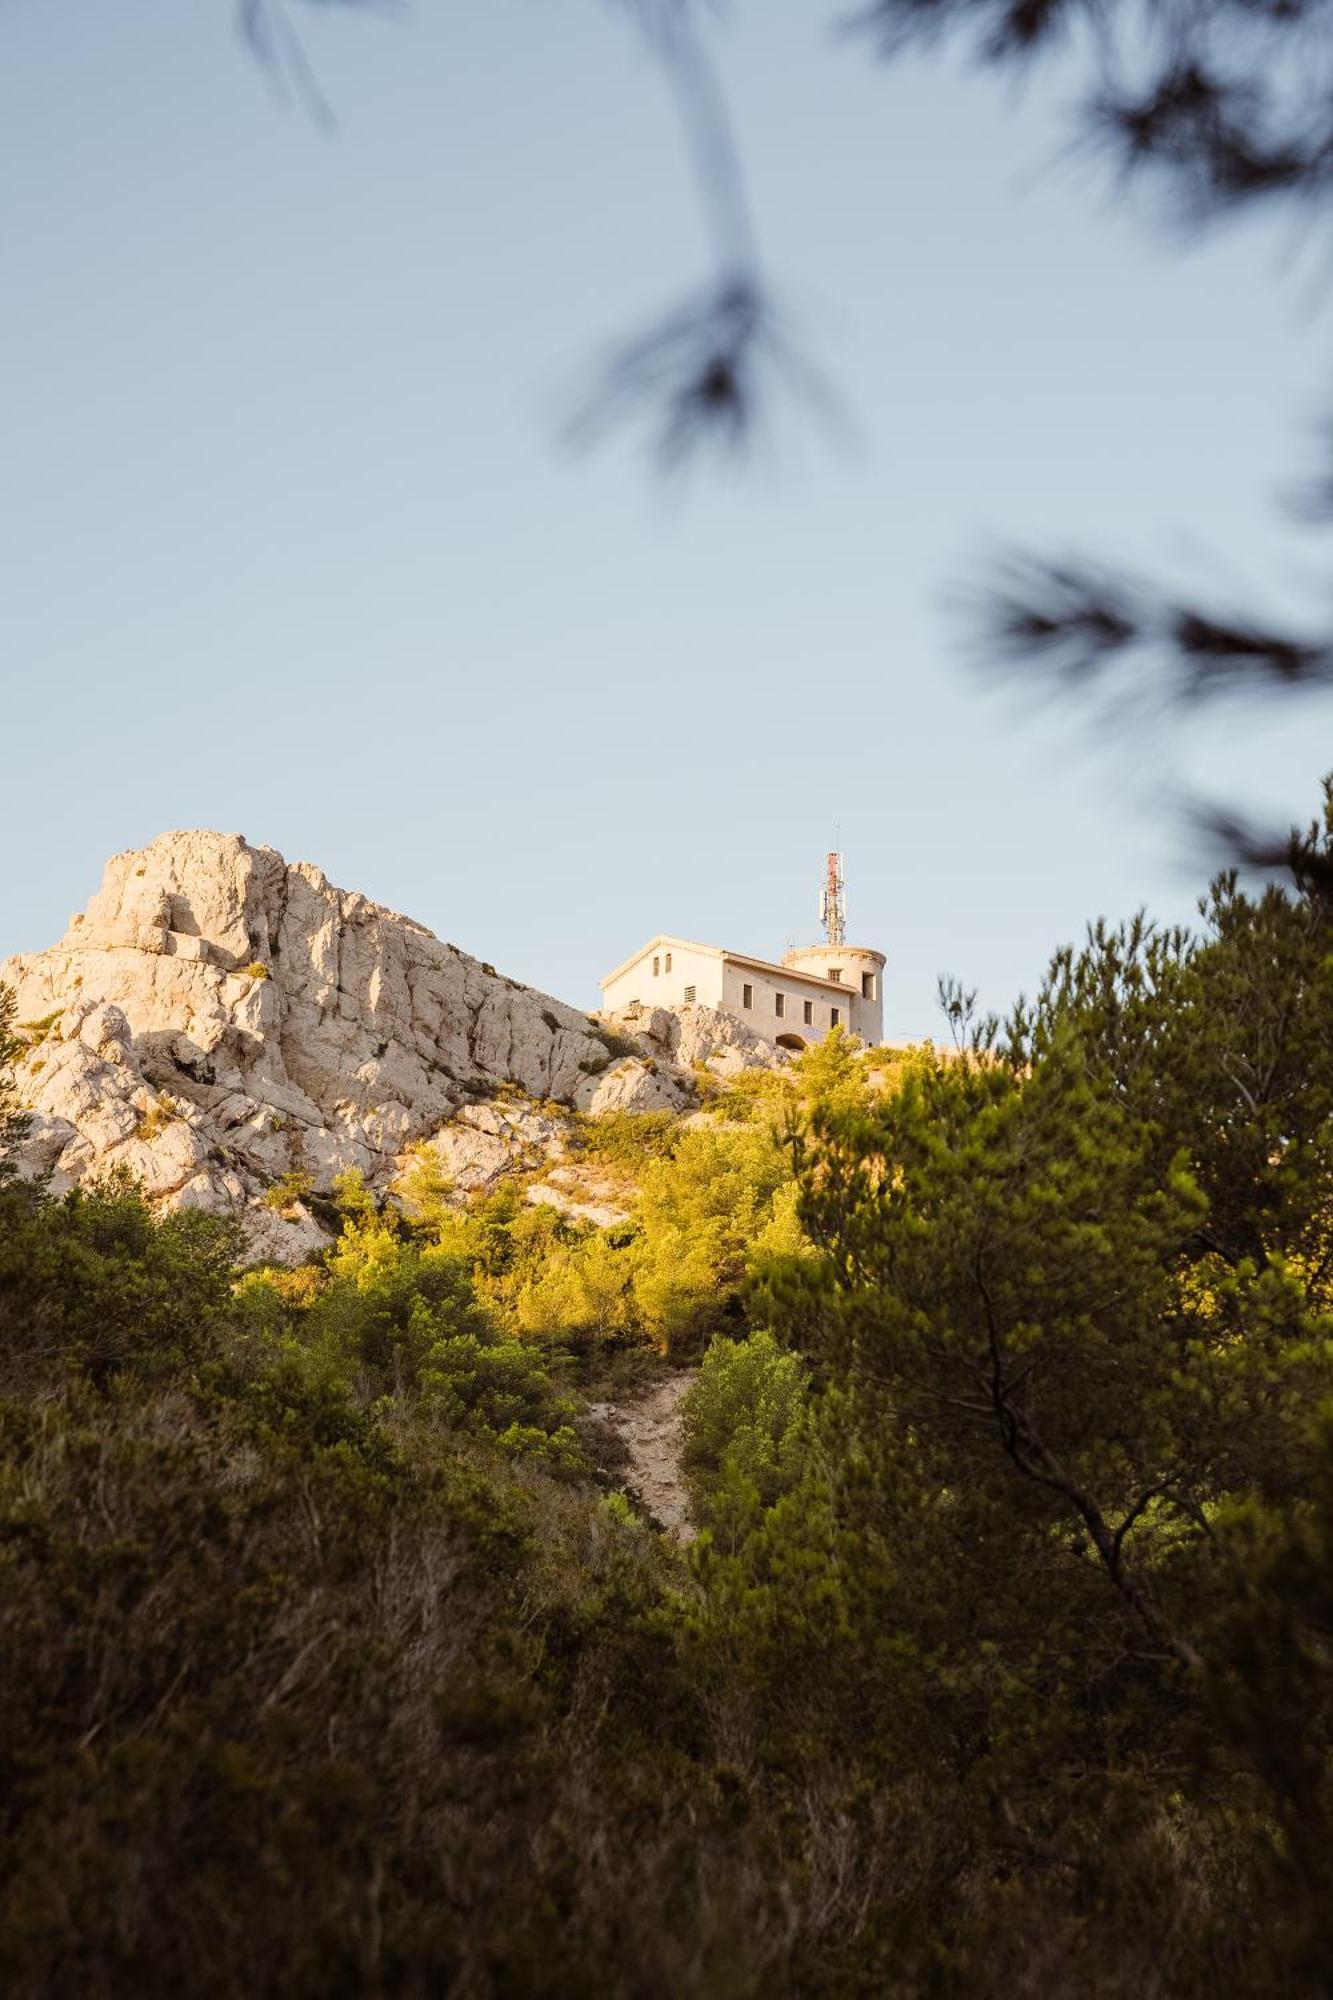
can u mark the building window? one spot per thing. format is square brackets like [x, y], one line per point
[657, 967]
[747, 996]
[689, 993]
[834, 1017]
[835, 973]
[668, 961]
[867, 985]
[779, 1004]
[808, 1013]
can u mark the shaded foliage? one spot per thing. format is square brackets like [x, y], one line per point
[319, 1680]
[14, 1121]
[1002, 1664]
[1075, 1326]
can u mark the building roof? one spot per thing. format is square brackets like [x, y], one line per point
[789, 974]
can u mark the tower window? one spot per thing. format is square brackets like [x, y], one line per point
[689, 993]
[657, 967]
[808, 1012]
[834, 1017]
[835, 973]
[867, 985]
[779, 1004]
[747, 996]
[668, 961]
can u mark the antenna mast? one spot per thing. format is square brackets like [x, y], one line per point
[833, 902]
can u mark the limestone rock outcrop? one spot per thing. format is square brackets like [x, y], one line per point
[694, 1036]
[581, 1195]
[218, 1018]
[484, 1142]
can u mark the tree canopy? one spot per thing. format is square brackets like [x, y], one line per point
[1000, 1664]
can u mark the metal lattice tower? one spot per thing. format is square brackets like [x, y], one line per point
[833, 902]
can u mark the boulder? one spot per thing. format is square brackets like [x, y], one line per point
[486, 1141]
[695, 1036]
[635, 1083]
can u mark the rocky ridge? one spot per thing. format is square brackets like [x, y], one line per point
[218, 1018]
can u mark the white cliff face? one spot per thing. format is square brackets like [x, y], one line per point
[484, 1142]
[218, 1017]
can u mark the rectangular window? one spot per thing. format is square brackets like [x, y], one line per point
[808, 1013]
[668, 961]
[689, 993]
[657, 967]
[779, 1004]
[835, 1017]
[867, 985]
[835, 973]
[747, 996]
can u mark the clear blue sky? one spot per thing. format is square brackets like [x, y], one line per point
[289, 547]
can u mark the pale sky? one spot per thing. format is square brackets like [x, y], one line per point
[291, 548]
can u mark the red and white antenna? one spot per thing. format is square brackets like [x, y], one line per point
[833, 902]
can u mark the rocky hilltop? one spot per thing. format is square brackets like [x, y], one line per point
[219, 1017]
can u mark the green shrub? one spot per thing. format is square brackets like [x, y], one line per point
[616, 1045]
[304, 1596]
[624, 1139]
[163, 1112]
[743, 1431]
[289, 1189]
[704, 1213]
[37, 1031]
[580, 1295]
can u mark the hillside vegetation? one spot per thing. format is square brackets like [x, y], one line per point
[336, 1664]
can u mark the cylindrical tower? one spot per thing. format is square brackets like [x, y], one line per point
[856, 968]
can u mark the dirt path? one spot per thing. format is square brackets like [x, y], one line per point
[650, 1430]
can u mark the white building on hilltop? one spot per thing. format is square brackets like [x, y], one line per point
[815, 988]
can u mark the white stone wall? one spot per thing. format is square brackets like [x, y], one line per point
[690, 967]
[762, 1014]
